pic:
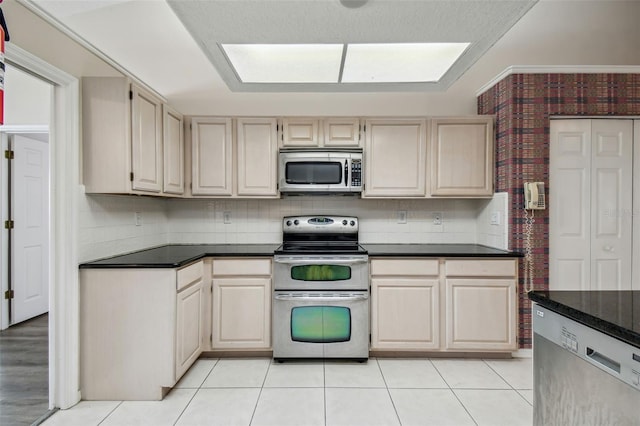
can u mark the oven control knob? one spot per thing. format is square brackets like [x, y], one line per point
[344, 222]
[296, 222]
[288, 223]
[353, 223]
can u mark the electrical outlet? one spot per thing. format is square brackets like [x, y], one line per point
[437, 218]
[226, 217]
[495, 218]
[137, 218]
[402, 216]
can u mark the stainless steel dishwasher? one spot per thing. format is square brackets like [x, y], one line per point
[582, 376]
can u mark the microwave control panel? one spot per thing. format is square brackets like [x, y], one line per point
[356, 173]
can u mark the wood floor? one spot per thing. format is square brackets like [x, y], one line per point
[24, 372]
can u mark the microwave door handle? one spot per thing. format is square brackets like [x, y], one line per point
[346, 172]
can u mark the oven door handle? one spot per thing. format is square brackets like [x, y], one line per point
[321, 261]
[290, 298]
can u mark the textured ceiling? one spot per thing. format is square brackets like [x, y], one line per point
[480, 22]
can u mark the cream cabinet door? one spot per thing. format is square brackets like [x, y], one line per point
[461, 155]
[241, 313]
[211, 153]
[257, 157]
[395, 157]
[405, 313]
[300, 131]
[342, 132]
[146, 141]
[481, 314]
[189, 327]
[173, 143]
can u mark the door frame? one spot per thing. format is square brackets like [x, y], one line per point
[64, 140]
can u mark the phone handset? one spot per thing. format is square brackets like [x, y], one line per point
[534, 196]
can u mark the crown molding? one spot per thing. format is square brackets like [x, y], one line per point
[559, 69]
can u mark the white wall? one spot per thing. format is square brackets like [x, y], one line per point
[27, 99]
[494, 233]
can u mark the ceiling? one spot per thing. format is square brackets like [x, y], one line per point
[156, 31]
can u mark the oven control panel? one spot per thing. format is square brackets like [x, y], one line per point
[320, 224]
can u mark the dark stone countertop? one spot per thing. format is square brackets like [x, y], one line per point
[441, 250]
[178, 255]
[616, 313]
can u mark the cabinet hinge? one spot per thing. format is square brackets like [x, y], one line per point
[8, 154]
[131, 176]
[8, 224]
[131, 95]
[8, 294]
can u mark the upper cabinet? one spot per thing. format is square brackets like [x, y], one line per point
[461, 156]
[395, 158]
[234, 162]
[316, 132]
[122, 137]
[173, 151]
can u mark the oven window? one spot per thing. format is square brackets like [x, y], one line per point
[320, 324]
[321, 273]
[310, 172]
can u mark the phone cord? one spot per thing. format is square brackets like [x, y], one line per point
[528, 255]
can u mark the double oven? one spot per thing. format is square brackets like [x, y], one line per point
[321, 290]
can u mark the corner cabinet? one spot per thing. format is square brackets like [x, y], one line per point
[234, 162]
[241, 303]
[461, 157]
[395, 158]
[405, 304]
[122, 138]
[140, 330]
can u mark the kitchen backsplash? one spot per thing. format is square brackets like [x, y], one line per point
[108, 223]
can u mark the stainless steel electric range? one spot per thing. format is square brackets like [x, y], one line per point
[321, 290]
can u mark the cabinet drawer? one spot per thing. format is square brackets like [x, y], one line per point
[190, 274]
[242, 267]
[404, 267]
[481, 268]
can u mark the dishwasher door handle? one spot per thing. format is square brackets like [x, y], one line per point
[603, 360]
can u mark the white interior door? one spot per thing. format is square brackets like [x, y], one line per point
[591, 210]
[30, 235]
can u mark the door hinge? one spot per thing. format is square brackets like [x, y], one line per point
[8, 294]
[131, 95]
[8, 224]
[8, 154]
[131, 176]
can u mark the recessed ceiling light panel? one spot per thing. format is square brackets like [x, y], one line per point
[399, 62]
[285, 63]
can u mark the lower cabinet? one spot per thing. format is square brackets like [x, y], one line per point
[241, 303]
[405, 300]
[140, 330]
[448, 305]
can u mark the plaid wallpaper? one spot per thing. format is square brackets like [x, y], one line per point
[522, 104]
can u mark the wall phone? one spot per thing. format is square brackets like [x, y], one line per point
[534, 196]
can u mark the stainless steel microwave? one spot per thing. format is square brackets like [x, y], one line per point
[320, 170]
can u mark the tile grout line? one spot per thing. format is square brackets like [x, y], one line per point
[393, 404]
[454, 393]
[196, 392]
[255, 408]
[509, 383]
[110, 413]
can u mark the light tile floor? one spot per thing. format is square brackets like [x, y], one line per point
[382, 391]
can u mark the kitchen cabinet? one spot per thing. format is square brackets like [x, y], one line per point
[190, 302]
[241, 303]
[140, 330]
[211, 156]
[395, 158]
[228, 163]
[481, 304]
[122, 137]
[405, 304]
[461, 156]
[314, 132]
[173, 151]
